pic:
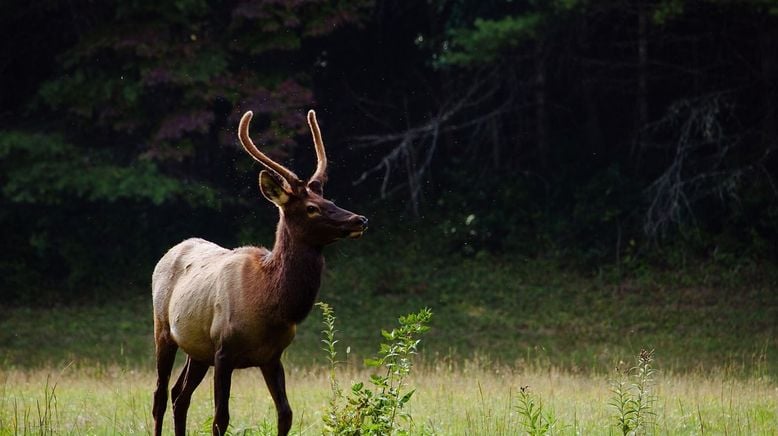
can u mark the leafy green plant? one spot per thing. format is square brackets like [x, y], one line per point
[374, 411]
[534, 419]
[632, 395]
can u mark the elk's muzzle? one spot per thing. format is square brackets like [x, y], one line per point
[358, 225]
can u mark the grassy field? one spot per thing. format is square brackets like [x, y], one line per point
[465, 400]
[502, 309]
[500, 323]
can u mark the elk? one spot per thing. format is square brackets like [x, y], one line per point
[239, 308]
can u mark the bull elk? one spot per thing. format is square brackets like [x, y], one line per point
[239, 308]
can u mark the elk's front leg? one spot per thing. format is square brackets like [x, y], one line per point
[222, 379]
[276, 383]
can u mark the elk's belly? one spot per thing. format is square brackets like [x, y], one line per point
[201, 325]
[192, 316]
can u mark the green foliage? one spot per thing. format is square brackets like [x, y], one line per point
[633, 396]
[331, 417]
[528, 216]
[136, 110]
[47, 170]
[58, 195]
[283, 26]
[366, 411]
[123, 123]
[489, 39]
[534, 420]
[555, 119]
[668, 10]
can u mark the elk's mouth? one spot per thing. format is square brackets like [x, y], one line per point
[356, 226]
[354, 233]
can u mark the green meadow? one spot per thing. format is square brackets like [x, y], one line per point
[559, 334]
[466, 399]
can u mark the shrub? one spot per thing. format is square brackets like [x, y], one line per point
[374, 411]
[632, 395]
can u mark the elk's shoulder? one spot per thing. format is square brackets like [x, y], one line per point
[252, 253]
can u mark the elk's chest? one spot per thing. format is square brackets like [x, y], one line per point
[259, 347]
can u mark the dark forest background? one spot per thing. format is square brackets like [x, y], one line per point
[629, 133]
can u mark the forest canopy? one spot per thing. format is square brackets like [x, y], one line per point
[596, 130]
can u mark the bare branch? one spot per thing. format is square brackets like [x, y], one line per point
[702, 163]
[416, 146]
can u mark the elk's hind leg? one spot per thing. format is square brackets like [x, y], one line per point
[190, 378]
[166, 355]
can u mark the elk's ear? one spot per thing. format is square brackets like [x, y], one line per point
[315, 186]
[273, 188]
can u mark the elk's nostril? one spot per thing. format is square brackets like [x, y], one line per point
[363, 220]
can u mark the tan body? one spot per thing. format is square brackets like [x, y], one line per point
[193, 290]
[240, 308]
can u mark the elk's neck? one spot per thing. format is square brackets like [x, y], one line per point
[296, 269]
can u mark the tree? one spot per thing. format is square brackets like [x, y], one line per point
[138, 112]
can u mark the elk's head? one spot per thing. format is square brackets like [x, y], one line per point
[309, 216]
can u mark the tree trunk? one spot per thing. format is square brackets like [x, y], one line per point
[594, 136]
[541, 112]
[642, 91]
[769, 131]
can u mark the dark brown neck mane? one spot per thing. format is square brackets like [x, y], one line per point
[296, 270]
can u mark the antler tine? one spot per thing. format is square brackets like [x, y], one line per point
[248, 145]
[321, 165]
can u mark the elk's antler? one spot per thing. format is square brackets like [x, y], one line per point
[321, 156]
[248, 145]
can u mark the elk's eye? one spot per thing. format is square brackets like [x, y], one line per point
[312, 210]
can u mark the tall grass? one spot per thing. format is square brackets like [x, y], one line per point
[451, 399]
